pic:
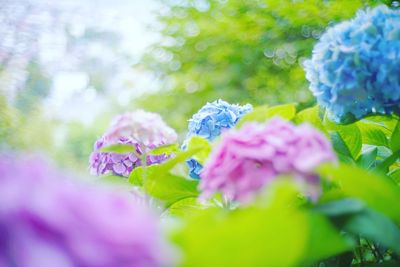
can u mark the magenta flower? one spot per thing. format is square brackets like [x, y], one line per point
[47, 220]
[140, 129]
[248, 159]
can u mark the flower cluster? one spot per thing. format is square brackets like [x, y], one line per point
[140, 129]
[248, 159]
[48, 220]
[354, 70]
[210, 121]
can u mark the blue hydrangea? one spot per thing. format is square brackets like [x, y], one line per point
[209, 122]
[355, 67]
[194, 168]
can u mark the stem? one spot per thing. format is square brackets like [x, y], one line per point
[381, 257]
[226, 203]
[374, 251]
[143, 159]
[360, 253]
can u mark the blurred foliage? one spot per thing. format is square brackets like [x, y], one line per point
[276, 232]
[57, 40]
[6, 121]
[24, 131]
[76, 143]
[241, 51]
[70, 144]
[37, 87]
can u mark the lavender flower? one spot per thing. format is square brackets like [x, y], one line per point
[47, 220]
[140, 129]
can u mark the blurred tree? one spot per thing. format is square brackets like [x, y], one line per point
[7, 121]
[21, 132]
[37, 85]
[42, 43]
[241, 51]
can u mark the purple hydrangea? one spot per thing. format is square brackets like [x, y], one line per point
[142, 130]
[354, 70]
[47, 220]
[248, 159]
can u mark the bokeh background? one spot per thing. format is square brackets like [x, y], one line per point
[68, 66]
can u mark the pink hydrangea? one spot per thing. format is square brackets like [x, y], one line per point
[142, 130]
[248, 159]
[47, 220]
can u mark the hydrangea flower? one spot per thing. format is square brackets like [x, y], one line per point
[47, 220]
[143, 130]
[209, 122]
[354, 70]
[248, 159]
[143, 127]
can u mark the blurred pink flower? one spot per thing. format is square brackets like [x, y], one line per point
[248, 159]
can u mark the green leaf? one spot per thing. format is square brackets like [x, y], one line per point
[350, 135]
[164, 186]
[119, 149]
[263, 113]
[170, 188]
[241, 237]
[158, 181]
[362, 221]
[272, 235]
[375, 226]
[395, 175]
[196, 145]
[167, 149]
[310, 115]
[340, 207]
[367, 159]
[137, 176]
[257, 115]
[389, 161]
[202, 154]
[387, 122]
[185, 207]
[286, 111]
[373, 134]
[395, 138]
[321, 229]
[383, 152]
[377, 191]
[341, 148]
